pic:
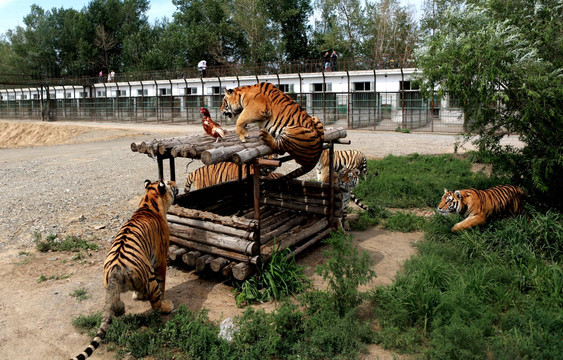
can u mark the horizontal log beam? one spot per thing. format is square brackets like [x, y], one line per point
[211, 226]
[287, 224]
[298, 250]
[238, 222]
[193, 245]
[291, 238]
[321, 210]
[214, 239]
[309, 200]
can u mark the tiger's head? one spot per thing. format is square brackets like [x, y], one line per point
[160, 195]
[348, 179]
[452, 202]
[232, 104]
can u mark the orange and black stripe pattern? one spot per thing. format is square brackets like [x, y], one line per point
[286, 126]
[351, 159]
[479, 205]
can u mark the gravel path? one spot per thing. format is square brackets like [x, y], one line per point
[89, 189]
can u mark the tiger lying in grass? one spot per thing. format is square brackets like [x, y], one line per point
[479, 205]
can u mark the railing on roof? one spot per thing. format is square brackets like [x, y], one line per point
[8, 80]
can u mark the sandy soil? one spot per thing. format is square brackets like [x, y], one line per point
[35, 317]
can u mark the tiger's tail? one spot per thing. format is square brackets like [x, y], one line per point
[359, 203]
[112, 298]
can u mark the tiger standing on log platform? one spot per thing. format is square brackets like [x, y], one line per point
[284, 125]
[479, 205]
[137, 258]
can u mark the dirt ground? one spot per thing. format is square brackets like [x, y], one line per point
[35, 317]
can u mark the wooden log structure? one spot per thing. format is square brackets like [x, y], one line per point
[210, 152]
[231, 228]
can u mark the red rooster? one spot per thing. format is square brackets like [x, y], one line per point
[211, 127]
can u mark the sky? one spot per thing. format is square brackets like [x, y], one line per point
[12, 12]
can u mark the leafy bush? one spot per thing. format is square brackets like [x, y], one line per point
[345, 270]
[279, 277]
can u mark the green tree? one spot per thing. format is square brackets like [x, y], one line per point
[209, 32]
[390, 31]
[339, 27]
[261, 39]
[502, 62]
[291, 18]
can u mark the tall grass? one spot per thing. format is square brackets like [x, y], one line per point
[276, 279]
[493, 292]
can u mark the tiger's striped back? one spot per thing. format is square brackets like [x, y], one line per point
[479, 205]
[286, 127]
[218, 173]
[137, 258]
[351, 159]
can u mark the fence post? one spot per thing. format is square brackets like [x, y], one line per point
[347, 101]
[403, 123]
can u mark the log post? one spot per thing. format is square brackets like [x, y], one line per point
[190, 258]
[202, 262]
[218, 263]
[242, 270]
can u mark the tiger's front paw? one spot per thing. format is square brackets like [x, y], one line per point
[166, 306]
[242, 134]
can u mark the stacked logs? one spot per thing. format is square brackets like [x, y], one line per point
[234, 245]
[206, 235]
[306, 196]
[210, 152]
[208, 241]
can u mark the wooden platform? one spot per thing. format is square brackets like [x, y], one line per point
[232, 227]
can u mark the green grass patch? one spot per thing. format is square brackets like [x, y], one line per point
[69, 243]
[405, 222]
[417, 181]
[276, 279]
[320, 325]
[80, 294]
[491, 290]
[42, 278]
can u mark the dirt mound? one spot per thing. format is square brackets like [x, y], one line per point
[27, 134]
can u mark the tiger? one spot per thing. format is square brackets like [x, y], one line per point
[347, 179]
[217, 173]
[137, 258]
[352, 159]
[479, 205]
[284, 125]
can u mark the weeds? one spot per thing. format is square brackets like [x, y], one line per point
[279, 277]
[344, 271]
[80, 294]
[42, 278]
[70, 243]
